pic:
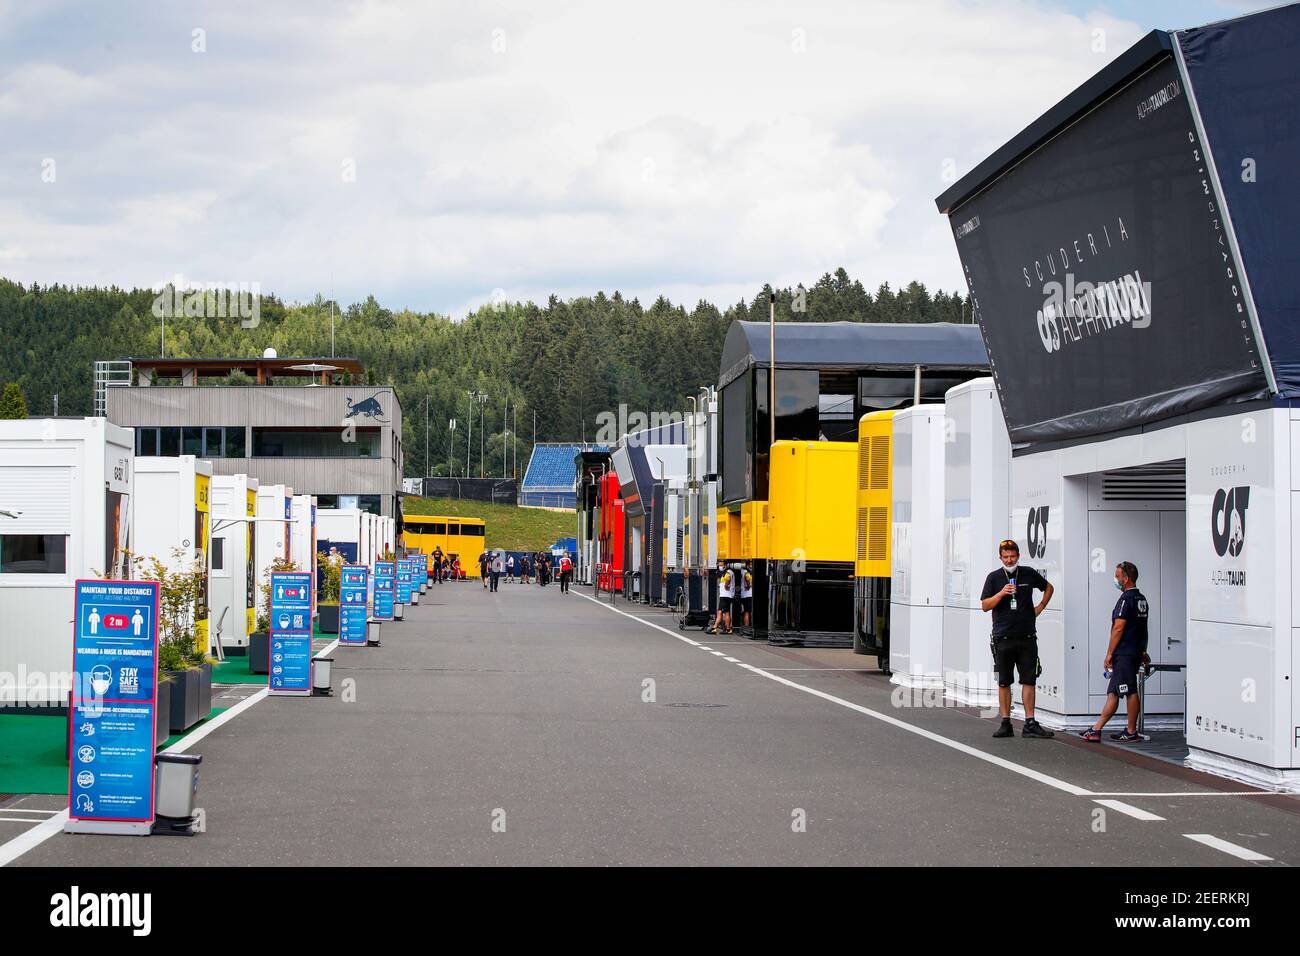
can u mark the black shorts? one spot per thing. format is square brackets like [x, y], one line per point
[747, 604]
[724, 604]
[1020, 653]
[1124, 675]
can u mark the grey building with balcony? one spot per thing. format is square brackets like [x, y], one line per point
[291, 422]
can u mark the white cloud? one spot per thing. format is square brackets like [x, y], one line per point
[685, 148]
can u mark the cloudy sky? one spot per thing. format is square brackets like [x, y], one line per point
[437, 154]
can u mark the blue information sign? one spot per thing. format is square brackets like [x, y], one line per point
[385, 590]
[290, 634]
[405, 578]
[114, 698]
[352, 603]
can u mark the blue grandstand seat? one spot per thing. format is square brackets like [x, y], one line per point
[548, 480]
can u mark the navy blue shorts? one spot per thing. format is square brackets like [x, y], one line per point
[1124, 675]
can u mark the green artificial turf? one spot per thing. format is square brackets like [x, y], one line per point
[33, 752]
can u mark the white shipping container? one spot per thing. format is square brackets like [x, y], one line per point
[233, 582]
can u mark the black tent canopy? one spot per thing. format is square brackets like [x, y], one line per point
[852, 345]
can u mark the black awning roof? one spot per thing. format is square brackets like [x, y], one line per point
[853, 345]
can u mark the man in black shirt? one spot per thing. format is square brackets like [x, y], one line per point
[1009, 594]
[1126, 652]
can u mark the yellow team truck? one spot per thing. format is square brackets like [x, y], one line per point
[457, 537]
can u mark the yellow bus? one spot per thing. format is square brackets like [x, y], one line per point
[456, 536]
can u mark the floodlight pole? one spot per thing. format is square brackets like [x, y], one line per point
[771, 375]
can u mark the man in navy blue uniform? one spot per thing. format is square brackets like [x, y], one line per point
[1009, 594]
[1126, 652]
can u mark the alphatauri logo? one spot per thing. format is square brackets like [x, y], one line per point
[1036, 532]
[75, 908]
[1228, 520]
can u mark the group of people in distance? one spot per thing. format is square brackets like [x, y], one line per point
[540, 565]
[442, 567]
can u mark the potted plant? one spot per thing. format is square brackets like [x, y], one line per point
[259, 642]
[330, 572]
[182, 663]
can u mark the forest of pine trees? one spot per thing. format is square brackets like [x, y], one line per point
[565, 360]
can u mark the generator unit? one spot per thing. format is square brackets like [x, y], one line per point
[916, 548]
[871, 577]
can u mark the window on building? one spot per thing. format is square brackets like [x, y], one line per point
[218, 554]
[315, 443]
[33, 554]
[169, 442]
[146, 441]
[235, 442]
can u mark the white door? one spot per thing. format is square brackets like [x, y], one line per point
[1169, 644]
[1115, 536]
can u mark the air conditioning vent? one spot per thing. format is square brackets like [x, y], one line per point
[877, 534]
[1164, 482]
[879, 462]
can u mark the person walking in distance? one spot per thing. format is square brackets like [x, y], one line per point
[510, 569]
[483, 568]
[1009, 594]
[498, 569]
[1125, 654]
[566, 573]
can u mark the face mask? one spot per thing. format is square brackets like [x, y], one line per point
[1011, 568]
[1118, 585]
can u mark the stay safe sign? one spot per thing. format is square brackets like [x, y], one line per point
[114, 704]
[385, 589]
[290, 635]
[352, 604]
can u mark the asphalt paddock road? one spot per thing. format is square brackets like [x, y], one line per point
[515, 728]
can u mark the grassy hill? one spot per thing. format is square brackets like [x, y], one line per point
[508, 527]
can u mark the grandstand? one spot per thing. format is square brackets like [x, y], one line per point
[549, 479]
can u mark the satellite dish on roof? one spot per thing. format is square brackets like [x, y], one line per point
[270, 353]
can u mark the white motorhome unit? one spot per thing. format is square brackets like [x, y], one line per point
[977, 515]
[171, 524]
[302, 539]
[232, 586]
[342, 530]
[271, 544]
[916, 586]
[65, 514]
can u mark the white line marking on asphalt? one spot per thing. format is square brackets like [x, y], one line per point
[328, 648]
[22, 820]
[24, 810]
[886, 718]
[1240, 852]
[700, 646]
[732, 659]
[186, 742]
[1201, 793]
[32, 838]
[719, 654]
[1136, 813]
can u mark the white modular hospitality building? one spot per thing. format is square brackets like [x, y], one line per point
[1140, 301]
[65, 514]
[171, 525]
